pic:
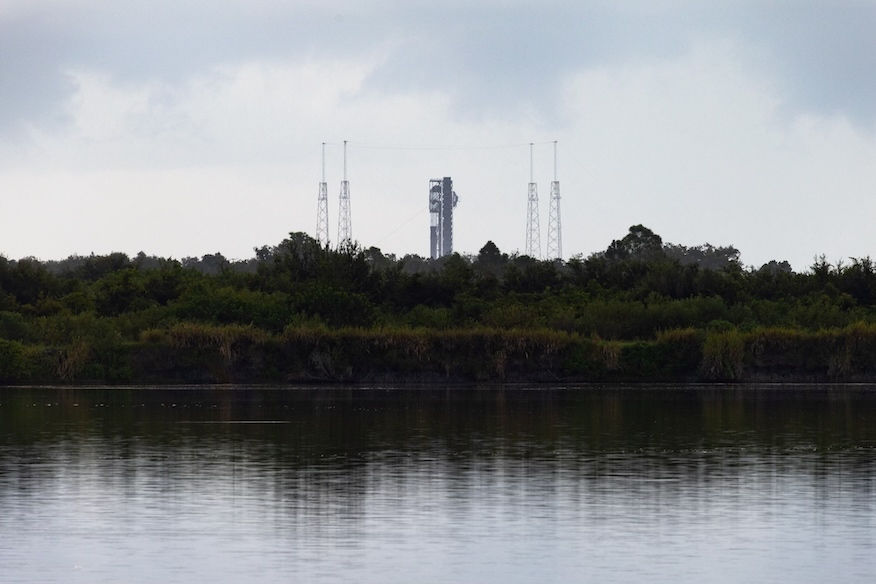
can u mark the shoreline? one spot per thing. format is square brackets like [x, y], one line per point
[448, 386]
[200, 354]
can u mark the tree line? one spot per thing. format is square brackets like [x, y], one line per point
[637, 289]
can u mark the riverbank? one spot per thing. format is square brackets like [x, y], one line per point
[196, 353]
[301, 312]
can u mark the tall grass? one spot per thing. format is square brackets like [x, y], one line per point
[478, 353]
[227, 339]
[244, 352]
[723, 356]
[73, 360]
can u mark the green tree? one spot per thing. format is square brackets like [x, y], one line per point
[639, 244]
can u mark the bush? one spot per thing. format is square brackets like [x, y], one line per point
[15, 327]
[13, 361]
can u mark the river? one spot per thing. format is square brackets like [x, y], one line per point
[657, 484]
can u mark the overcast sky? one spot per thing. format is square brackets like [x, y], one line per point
[185, 127]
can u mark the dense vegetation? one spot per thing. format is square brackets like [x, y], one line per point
[642, 309]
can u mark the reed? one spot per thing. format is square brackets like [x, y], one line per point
[852, 350]
[227, 339]
[315, 351]
[611, 354]
[73, 360]
[479, 353]
[723, 356]
[679, 335]
[154, 336]
[859, 334]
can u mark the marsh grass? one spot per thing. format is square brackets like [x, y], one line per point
[852, 350]
[611, 354]
[723, 355]
[477, 353]
[313, 351]
[228, 340]
[73, 360]
[844, 353]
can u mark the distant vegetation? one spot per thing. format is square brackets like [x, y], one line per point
[640, 310]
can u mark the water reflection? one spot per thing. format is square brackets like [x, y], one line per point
[450, 485]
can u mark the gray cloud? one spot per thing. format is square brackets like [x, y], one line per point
[823, 52]
[498, 62]
[493, 59]
[32, 82]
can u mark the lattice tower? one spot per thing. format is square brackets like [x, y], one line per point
[322, 216]
[533, 232]
[345, 227]
[555, 226]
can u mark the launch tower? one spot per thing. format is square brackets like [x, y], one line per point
[442, 200]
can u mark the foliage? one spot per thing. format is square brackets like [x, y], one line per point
[13, 361]
[641, 309]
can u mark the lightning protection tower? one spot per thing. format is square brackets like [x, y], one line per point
[345, 228]
[322, 217]
[533, 233]
[555, 227]
[442, 201]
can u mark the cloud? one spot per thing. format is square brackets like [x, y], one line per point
[33, 85]
[700, 149]
[492, 58]
[824, 53]
[191, 127]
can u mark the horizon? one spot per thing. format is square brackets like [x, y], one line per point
[465, 254]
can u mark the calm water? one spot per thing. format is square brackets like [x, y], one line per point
[648, 484]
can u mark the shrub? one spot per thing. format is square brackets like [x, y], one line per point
[13, 361]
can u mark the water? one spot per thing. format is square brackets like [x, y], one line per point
[610, 484]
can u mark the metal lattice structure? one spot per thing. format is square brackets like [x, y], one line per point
[533, 231]
[555, 226]
[345, 226]
[322, 216]
[442, 201]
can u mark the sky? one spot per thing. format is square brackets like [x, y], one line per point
[186, 127]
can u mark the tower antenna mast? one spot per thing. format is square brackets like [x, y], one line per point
[322, 217]
[533, 233]
[345, 229]
[555, 226]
